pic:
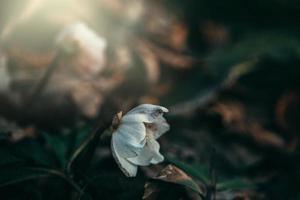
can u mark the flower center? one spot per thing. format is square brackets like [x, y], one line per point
[150, 128]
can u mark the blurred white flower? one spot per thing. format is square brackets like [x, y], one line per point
[81, 58]
[134, 138]
[86, 46]
[4, 75]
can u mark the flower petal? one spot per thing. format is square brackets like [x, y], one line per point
[146, 107]
[129, 140]
[123, 148]
[149, 110]
[133, 133]
[161, 127]
[127, 168]
[149, 154]
[134, 141]
[136, 118]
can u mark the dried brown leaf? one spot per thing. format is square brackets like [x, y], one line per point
[14, 132]
[176, 59]
[151, 191]
[178, 36]
[233, 114]
[150, 60]
[287, 111]
[173, 174]
[214, 33]
[235, 117]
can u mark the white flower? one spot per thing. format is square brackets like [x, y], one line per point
[87, 46]
[134, 140]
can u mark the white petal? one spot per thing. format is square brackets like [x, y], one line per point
[133, 133]
[129, 140]
[135, 118]
[124, 149]
[149, 110]
[145, 108]
[149, 154]
[133, 143]
[81, 32]
[161, 127]
[127, 168]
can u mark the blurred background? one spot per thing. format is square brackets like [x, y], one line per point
[227, 70]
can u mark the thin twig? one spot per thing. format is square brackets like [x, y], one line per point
[94, 137]
[212, 173]
[189, 107]
[63, 176]
[42, 84]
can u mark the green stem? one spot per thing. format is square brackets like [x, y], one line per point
[63, 176]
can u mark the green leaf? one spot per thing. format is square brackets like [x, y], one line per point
[80, 135]
[29, 150]
[235, 184]
[250, 49]
[13, 175]
[59, 146]
[8, 158]
[82, 156]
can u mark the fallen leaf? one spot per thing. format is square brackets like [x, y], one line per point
[173, 174]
